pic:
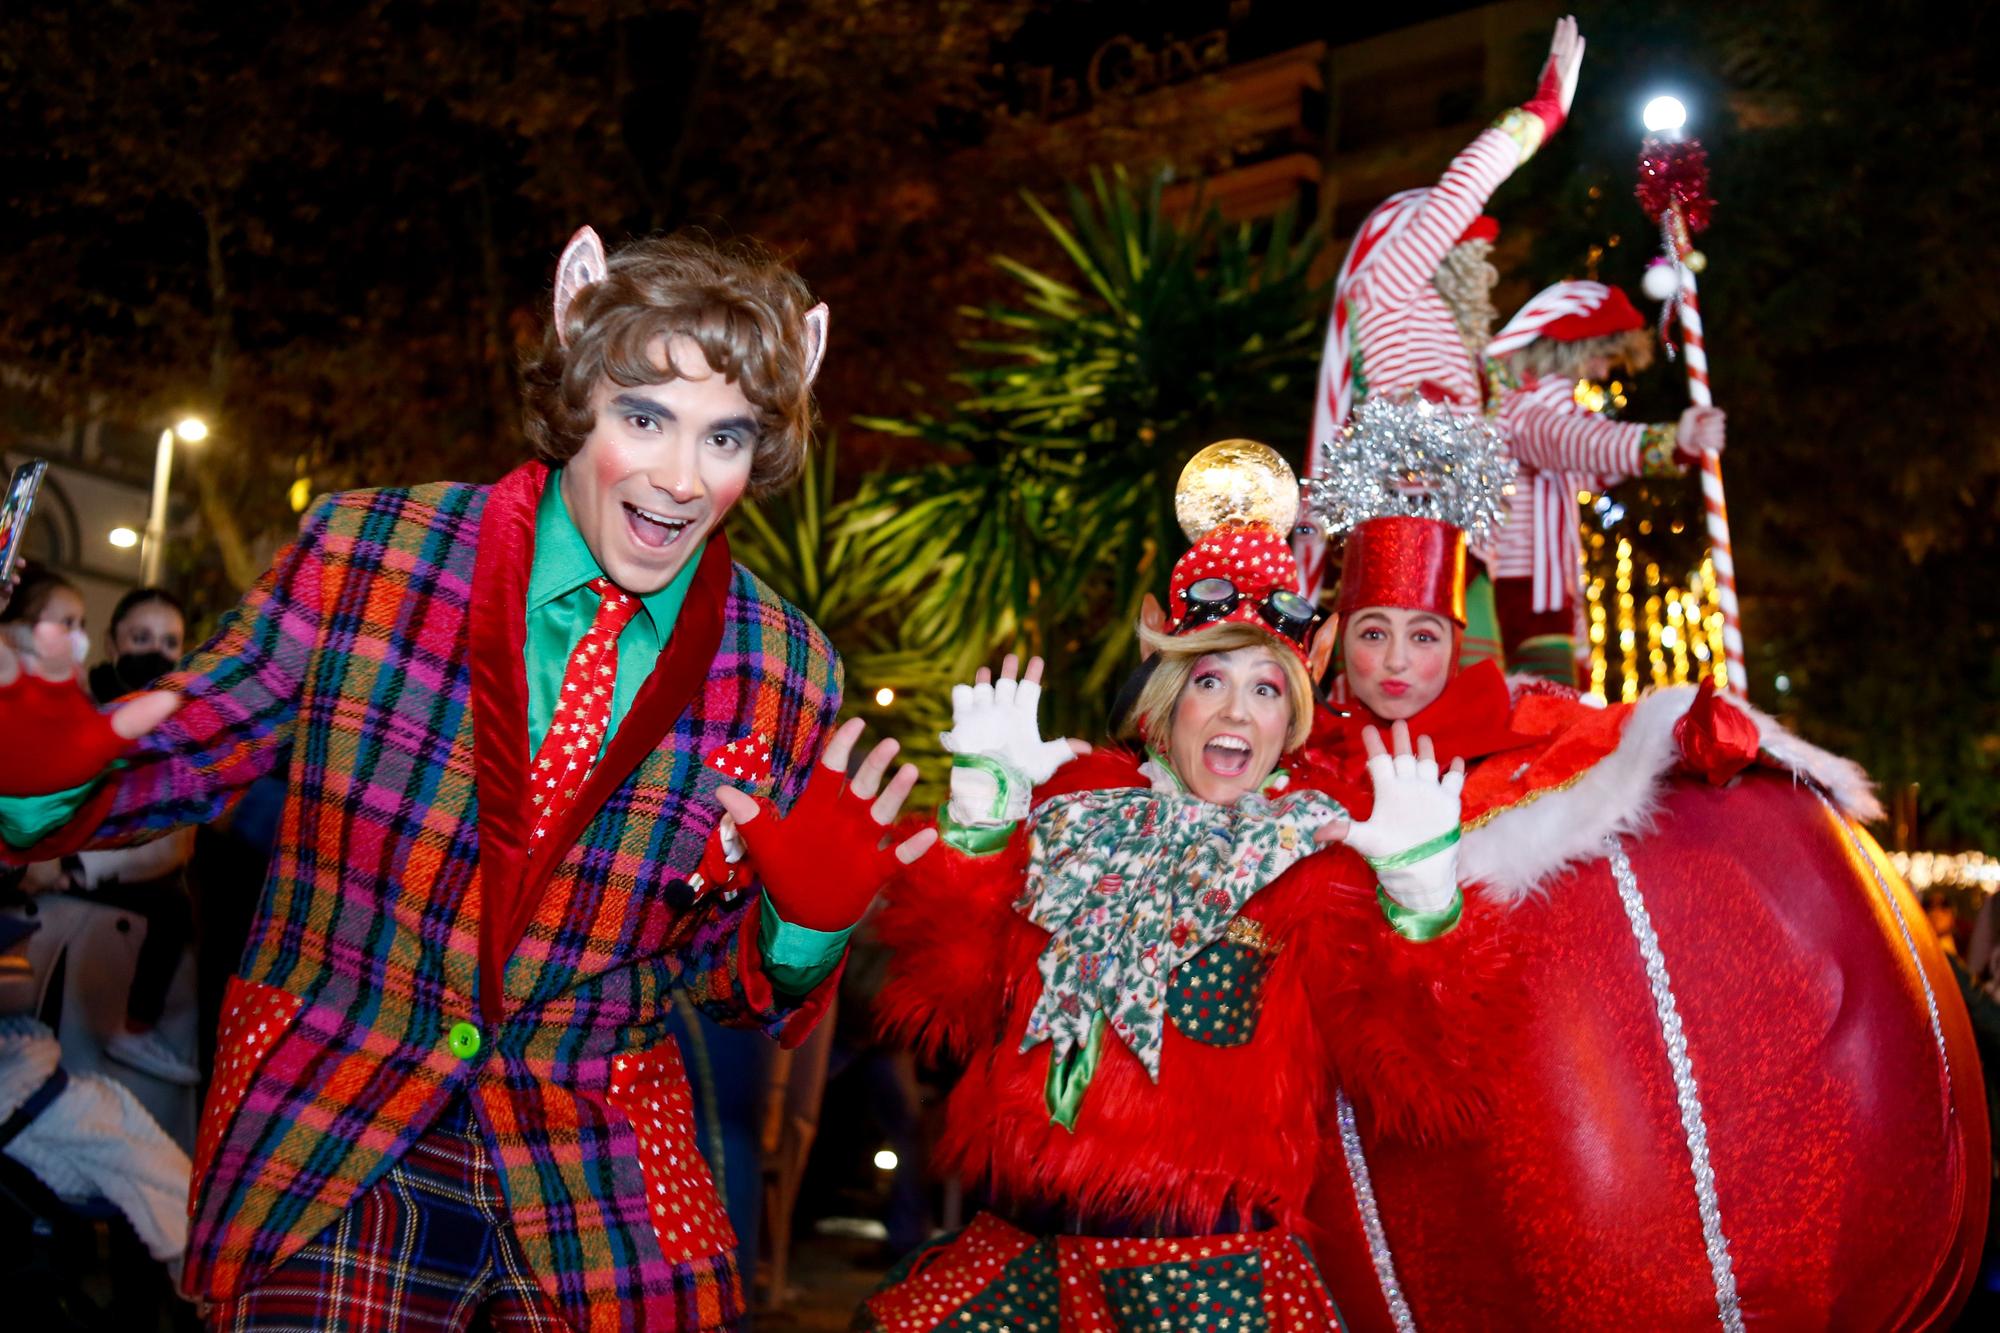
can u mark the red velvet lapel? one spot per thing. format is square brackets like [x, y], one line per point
[500, 709]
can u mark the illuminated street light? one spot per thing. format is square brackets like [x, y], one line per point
[123, 538]
[152, 558]
[1664, 115]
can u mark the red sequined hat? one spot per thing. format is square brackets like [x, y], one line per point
[1417, 564]
[1253, 557]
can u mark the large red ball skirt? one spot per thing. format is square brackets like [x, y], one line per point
[1833, 1073]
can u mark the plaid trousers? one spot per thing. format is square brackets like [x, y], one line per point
[427, 1247]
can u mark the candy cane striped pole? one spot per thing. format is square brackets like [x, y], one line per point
[1711, 464]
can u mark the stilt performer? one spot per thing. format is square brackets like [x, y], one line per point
[1568, 331]
[1673, 189]
[1412, 307]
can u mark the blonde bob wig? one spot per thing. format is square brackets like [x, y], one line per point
[1153, 712]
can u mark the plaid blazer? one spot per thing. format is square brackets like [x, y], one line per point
[383, 653]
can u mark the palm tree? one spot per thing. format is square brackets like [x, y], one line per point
[1047, 513]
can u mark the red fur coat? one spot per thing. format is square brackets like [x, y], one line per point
[1332, 996]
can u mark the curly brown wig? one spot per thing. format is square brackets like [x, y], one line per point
[743, 308]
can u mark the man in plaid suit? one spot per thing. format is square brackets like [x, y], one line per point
[441, 1091]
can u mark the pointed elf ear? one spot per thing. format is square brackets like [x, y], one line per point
[1321, 652]
[582, 263]
[1151, 617]
[816, 320]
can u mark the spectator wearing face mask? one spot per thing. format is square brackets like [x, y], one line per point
[147, 880]
[144, 640]
[46, 611]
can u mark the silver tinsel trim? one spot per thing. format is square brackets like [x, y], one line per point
[1413, 457]
[1371, 1216]
[1693, 1125]
[1909, 944]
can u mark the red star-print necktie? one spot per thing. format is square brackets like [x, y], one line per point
[576, 732]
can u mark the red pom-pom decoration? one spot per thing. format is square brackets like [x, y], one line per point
[1675, 174]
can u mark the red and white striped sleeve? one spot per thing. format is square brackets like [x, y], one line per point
[1554, 439]
[1403, 264]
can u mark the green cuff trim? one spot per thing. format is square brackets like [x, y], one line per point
[1069, 1077]
[1421, 926]
[1422, 851]
[26, 820]
[1003, 780]
[797, 958]
[971, 839]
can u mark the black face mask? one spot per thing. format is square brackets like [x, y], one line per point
[138, 671]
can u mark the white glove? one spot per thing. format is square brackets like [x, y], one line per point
[999, 754]
[1415, 808]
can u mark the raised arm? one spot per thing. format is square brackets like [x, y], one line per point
[949, 921]
[1403, 264]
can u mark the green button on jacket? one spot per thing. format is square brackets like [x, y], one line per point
[464, 1040]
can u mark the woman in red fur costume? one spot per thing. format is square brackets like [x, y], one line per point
[1149, 967]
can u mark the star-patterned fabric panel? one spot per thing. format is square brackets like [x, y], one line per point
[583, 708]
[1215, 996]
[686, 1208]
[963, 1284]
[1223, 1291]
[1199, 1284]
[995, 1278]
[253, 1018]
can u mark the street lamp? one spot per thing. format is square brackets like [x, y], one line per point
[1664, 115]
[192, 430]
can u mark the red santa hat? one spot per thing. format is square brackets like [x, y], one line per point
[1568, 312]
[1400, 560]
[1482, 228]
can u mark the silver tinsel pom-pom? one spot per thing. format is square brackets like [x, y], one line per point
[1410, 456]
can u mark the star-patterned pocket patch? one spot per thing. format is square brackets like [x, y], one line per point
[743, 763]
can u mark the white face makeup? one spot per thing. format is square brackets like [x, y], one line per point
[1230, 723]
[663, 465]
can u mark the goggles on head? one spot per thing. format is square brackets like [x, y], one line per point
[1215, 598]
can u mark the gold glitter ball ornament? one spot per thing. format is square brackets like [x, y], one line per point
[1236, 481]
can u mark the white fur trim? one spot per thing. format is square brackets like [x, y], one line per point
[1521, 849]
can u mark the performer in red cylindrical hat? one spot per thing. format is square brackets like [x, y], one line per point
[1569, 332]
[1713, 1011]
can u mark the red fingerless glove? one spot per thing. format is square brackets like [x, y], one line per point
[823, 863]
[56, 738]
[1717, 740]
[1547, 101]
